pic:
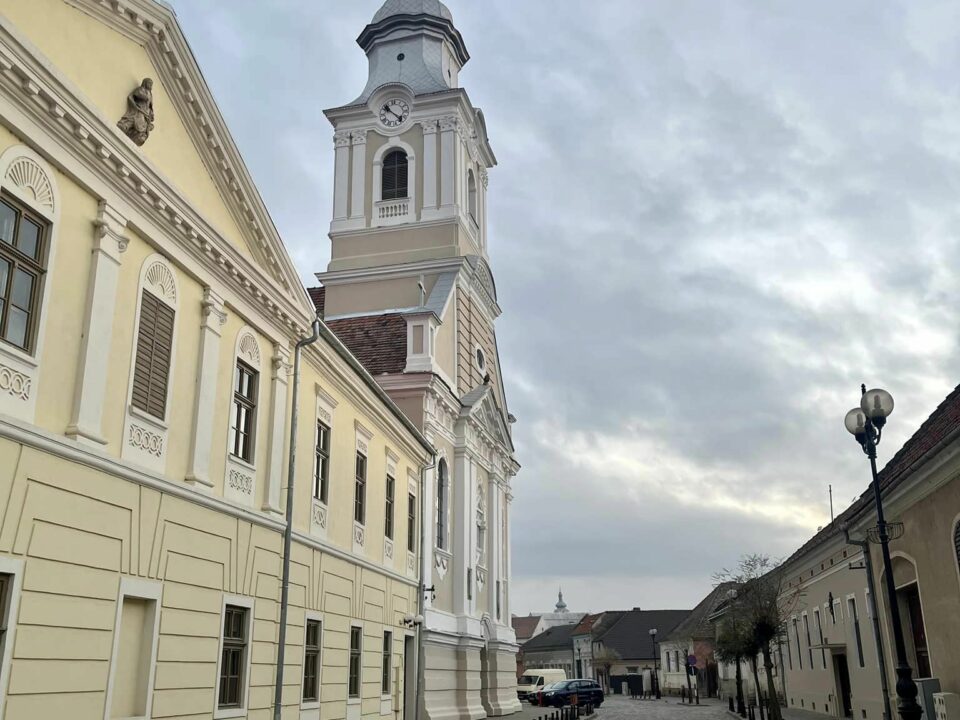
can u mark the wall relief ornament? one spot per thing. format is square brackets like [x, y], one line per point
[145, 440]
[30, 178]
[137, 122]
[319, 515]
[15, 383]
[441, 563]
[241, 482]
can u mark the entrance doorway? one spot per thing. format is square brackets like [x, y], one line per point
[409, 676]
[909, 597]
[843, 684]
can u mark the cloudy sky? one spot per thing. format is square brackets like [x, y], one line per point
[710, 223]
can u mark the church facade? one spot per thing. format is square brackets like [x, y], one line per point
[410, 292]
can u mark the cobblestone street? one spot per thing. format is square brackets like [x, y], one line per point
[618, 707]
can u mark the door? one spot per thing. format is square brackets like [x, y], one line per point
[409, 677]
[918, 632]
[843, 683]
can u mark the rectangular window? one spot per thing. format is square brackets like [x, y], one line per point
[311, 661]
[360, 489]
[806, 631]
[823, 653]
[356, 637]
[385, 663]
[151, 368]
[855, 619]
[22, 259]
[243, 419]
[411, 522]
[388, 517]
[796, 632]
[321, 465]
[233, 659]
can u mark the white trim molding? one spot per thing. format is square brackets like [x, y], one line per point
[14, 568]
[139, 588]
[145, 437]
[29, 179]
[310, 710]
[240, 476]
[222, 713]
[400, 211]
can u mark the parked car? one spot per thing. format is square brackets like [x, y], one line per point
[535, 679]
[536, 698]
[569, 692]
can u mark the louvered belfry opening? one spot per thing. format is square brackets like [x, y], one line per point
[152, 369]
[394, 175]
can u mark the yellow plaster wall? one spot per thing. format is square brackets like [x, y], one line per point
[79, 530]
[106, 66]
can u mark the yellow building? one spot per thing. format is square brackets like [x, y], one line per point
[148, 314]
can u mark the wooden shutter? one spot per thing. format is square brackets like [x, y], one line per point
[152, 368]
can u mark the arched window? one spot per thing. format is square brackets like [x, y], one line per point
[442, 504]
[394, 178]
[472, 191]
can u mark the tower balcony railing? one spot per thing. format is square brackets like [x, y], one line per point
[393, 212]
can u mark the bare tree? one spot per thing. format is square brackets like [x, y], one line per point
[760, 599]
[604, 658]
[734, 641]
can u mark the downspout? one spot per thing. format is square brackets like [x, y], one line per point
[288, 530]
[422, 602]
[868, 566]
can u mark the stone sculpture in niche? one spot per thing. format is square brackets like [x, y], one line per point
[137, 122]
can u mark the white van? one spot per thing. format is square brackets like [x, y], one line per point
[534, 679]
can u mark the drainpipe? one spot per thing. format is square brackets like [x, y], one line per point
[868, 566]
[288, 530]
[422, 602]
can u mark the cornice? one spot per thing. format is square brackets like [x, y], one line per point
[155, 28]
[60, 110]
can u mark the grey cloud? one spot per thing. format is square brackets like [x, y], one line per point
[710, 223]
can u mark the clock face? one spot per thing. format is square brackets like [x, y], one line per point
[394, 112]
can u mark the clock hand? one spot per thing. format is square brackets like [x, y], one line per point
[390, 110]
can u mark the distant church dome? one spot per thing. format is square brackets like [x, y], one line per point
[413, 7]
[561, 606]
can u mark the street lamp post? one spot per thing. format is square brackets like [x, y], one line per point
[866, 423]
[656, 664]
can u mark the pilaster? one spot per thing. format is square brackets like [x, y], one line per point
[214, 316]
[448, 165]
[278, 405]
[341, 175]
[429, 169]
[358, 179]
[109, 243]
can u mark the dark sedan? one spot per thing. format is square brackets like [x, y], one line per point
[572, 692]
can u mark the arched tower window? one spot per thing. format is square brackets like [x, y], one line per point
[394, 178]
[442, 504]
[472, 192]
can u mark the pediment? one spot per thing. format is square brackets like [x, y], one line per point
[224, 192]
[480, 403]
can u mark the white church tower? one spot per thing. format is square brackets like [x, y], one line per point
[410, 292]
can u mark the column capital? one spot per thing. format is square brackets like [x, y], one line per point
[429, 126]
[281, 362]
[341, 139]
[110, 229]
[213, 309]
[449, 123]
[359, 137]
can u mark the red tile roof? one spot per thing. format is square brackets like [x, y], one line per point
[379, 342]
[319, 297]
[586, 625]
[524, 626]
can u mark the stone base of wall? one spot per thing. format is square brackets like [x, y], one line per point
[464, 680]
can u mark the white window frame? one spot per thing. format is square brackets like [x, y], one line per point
[312, 704]
[142, 590]
[239, 473]
[389, 693]
[13, 568]
[359, 698]
[394, 143]
[319, 514]
[218, 712]
[145, 437]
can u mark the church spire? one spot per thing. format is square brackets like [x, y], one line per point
[561, 606]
